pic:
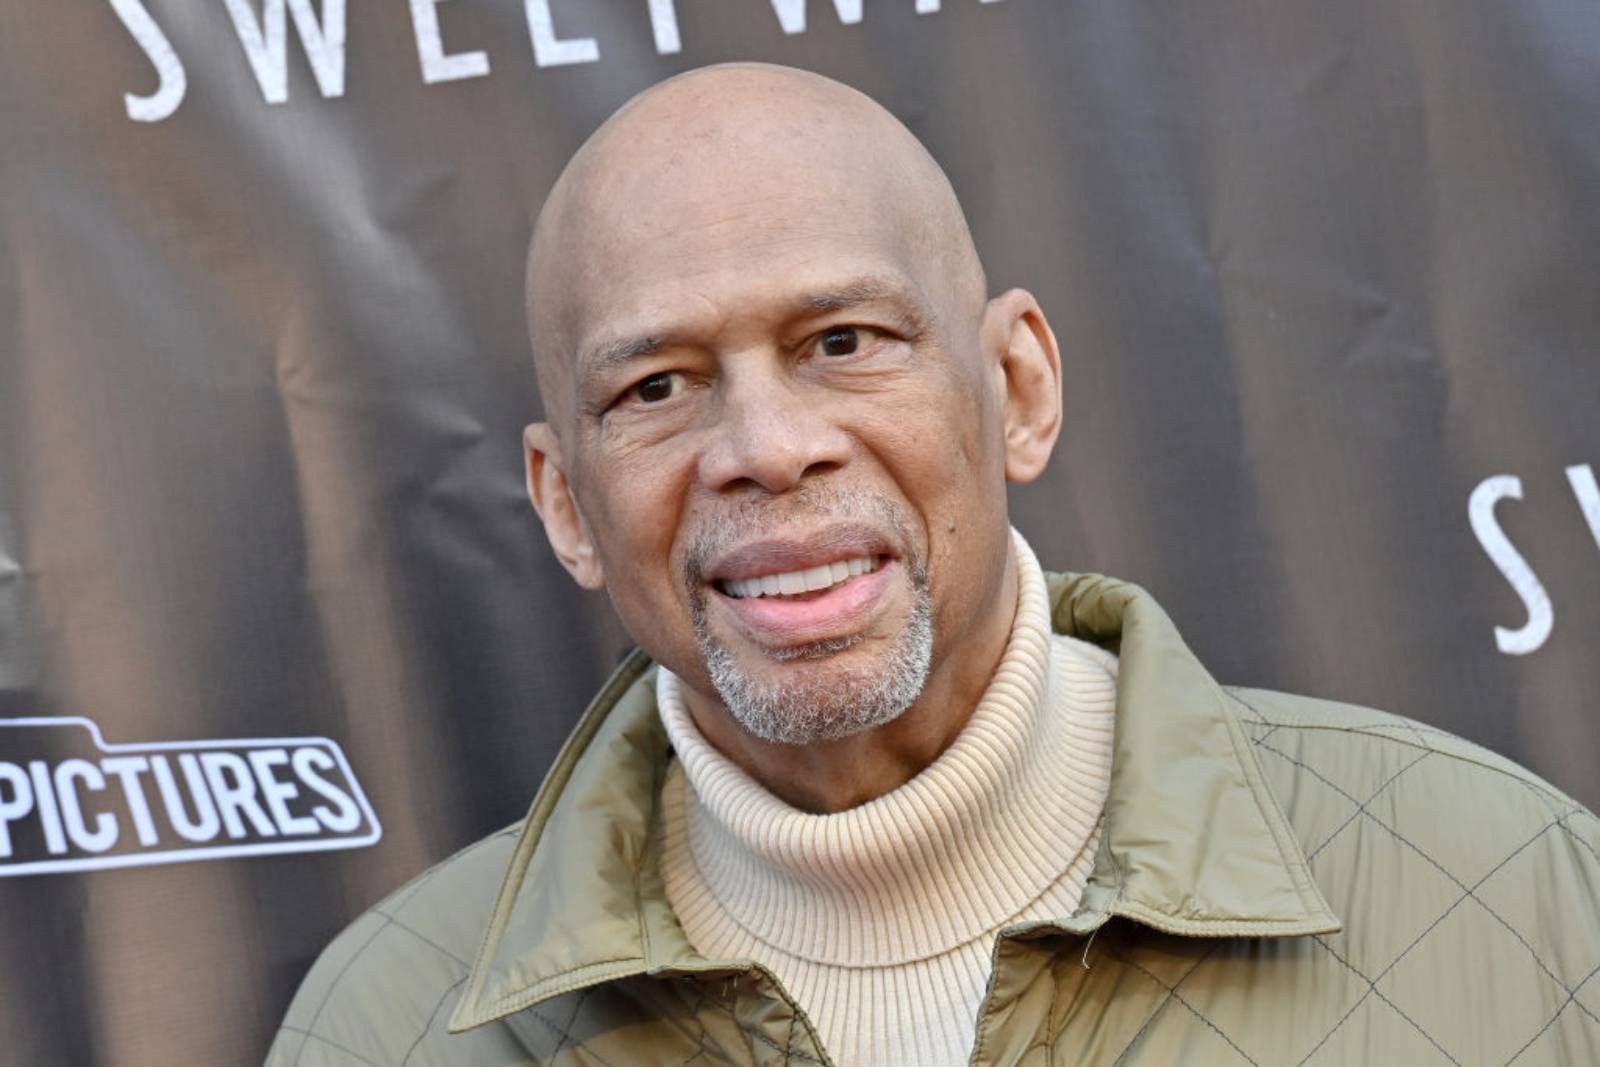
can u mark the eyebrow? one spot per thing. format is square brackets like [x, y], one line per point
[861, 291]
[609, 355]
[613, 353]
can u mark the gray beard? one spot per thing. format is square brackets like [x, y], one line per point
[828, 704]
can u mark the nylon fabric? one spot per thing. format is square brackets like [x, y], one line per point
[1361, 893]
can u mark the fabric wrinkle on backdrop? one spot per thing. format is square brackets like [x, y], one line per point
[278, 629]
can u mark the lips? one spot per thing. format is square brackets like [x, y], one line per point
[796, 583]
[785, 592]
[782, 555]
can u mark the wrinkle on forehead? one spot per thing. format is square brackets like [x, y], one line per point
[730, 157]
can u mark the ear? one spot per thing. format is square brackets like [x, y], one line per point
[1030, 364]
[553, 500]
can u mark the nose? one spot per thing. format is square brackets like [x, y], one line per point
[769, 435]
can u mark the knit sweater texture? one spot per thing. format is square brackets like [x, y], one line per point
[880, 921]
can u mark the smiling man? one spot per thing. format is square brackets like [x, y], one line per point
[877, 789]
[765, 354]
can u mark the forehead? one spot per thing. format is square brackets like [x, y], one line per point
[687, 258]
[689, 207]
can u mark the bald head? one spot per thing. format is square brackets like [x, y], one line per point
[765, 345]
[696, 173]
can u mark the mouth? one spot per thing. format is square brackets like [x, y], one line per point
[795, 584]
[829, 588]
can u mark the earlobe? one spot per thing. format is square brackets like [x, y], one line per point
[553, 499]
[1030, 364]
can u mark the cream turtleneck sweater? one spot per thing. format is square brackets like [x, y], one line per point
[880, 920]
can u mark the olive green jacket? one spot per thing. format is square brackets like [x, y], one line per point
[1280, 880]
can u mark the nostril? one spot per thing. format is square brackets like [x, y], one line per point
[743, 486]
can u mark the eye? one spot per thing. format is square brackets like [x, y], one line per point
[841, 341]
[658, 387]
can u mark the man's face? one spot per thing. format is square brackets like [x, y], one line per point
[787, 443]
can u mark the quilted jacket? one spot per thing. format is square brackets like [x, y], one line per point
[1281, 880]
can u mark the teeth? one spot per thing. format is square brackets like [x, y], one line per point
[792, 583]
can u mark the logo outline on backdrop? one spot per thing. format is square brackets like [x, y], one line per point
[369, 830]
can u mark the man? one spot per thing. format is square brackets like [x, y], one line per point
[878, 790]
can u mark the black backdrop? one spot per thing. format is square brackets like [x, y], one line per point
[1323, 275]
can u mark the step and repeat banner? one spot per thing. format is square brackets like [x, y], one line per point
[278, 628]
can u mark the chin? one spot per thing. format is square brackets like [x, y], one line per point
[825, 690]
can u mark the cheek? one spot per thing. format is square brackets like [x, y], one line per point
[949, 461]
[634, 505]
[966, 427]
[637, 527]
[957, 446]
[940, 448]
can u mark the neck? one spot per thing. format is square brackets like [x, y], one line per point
[833, 776]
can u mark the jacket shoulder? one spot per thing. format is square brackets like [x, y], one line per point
[1368, 789]
[1264, 711]
[384, 988]
[1464, 882]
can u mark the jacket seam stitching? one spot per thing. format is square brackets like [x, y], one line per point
[544, 802]
[763, 1038]
[309, 1037]
[415, 886]
[567, 1038]
[333, 985]
[1372, 990]
[427, 941]
[1561, 816]
[1284, 839]
[1470, 891]
[555, 984]
[653, 830]
[1260, 719]
[431, 1017]
[750, 1030]
[1368, 730]
[1459, 757]
[1219, 927]
[411, 889]
[1434, 925]
[1571, 999]
[983, 1015]
[1054, 1026]
[1171, 995]
[1575, 835]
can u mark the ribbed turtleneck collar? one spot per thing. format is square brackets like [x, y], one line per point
[952, 854]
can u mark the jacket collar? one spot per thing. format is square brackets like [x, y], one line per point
[1194, 841]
